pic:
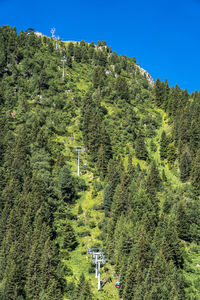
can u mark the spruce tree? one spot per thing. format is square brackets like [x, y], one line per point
[130, 282]
[107, 197]
[163, 280]
[82, 291]
[66, 185]
[140, 148]
[71, 49]
[77, 54]
[171, 155]
[163, 146]
[159, 92]
[195, 173]
[153, 179]
[167, 90]
[69, 237]
[122, 88]
[98, 77]
[185, 166]
[182, 222]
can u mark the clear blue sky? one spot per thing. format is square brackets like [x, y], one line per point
[163, 35]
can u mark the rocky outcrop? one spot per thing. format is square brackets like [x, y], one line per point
[148, 76]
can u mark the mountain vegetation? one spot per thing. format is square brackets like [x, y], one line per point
[137, 196]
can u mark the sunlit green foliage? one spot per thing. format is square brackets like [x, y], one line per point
[139, 191]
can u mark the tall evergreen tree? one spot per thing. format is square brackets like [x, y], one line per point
[140, 148]
[122, 88]
[185, 165]
[66, 185]
[153, 179]
[159, 92]
[195, 173]
[83, 289]
[163, 146]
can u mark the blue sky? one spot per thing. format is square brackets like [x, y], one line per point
[164, 36]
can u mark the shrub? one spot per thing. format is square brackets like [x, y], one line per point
[100, 237]
[92, 224]
[80, 223]
[84, 233]
[91, 269]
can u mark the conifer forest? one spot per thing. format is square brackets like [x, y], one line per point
[95, 158]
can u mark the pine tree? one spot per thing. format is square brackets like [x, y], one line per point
[13, 281]
[122, 88]
[163, 146]
[185, 166]
[130, 168]
[124, 237]
[66, 185]
[142, 251]
[115, 168]
[87, 113]
[153, 179]
[159, 92]
[194, 137]
[195, 173]
[112, 179]
[104, 152]
[140, 148]
[138, 265]
[164, 177]
[98, 77]
[130, 282]
[33, 287]
[84, 54]
[120, 203]
[166, 98]
[163, 280]
[108, 197]
[166, 240]
[171, 155]
[69, 61]
[49, 281]
[69, 240]
[182, 222]
[91, 50]
[83, 290]
[77, 54]
[94, 135]
[71, 49]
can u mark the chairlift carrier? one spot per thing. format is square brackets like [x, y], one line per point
[117, 284]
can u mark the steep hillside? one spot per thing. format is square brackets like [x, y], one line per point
[136, 194]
